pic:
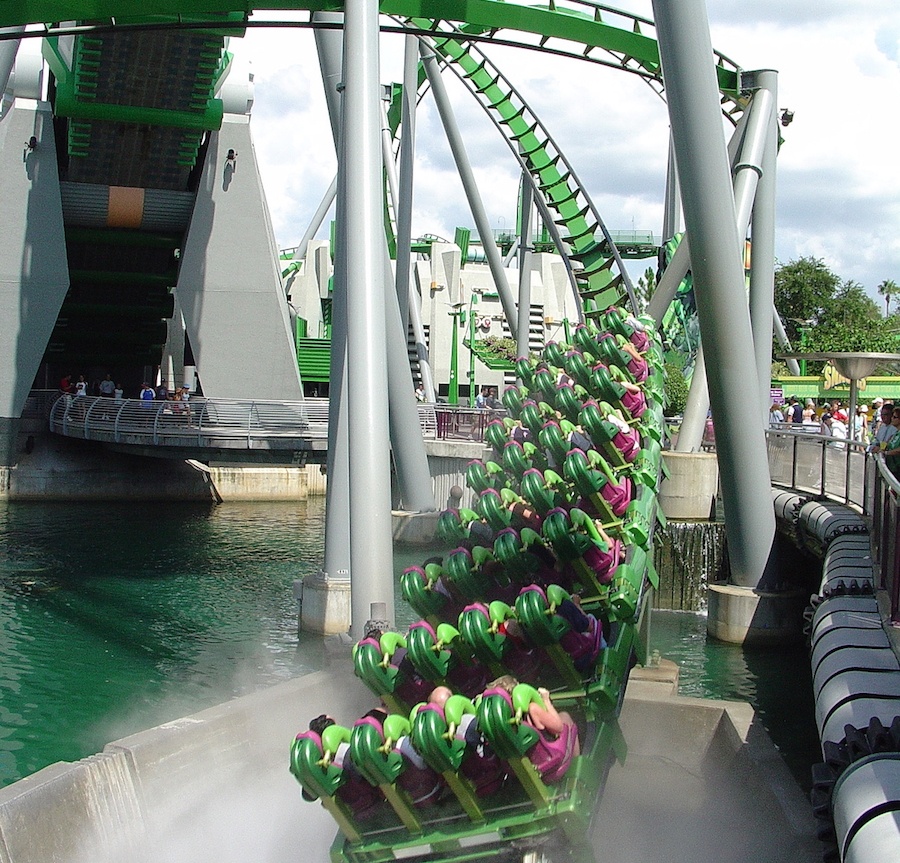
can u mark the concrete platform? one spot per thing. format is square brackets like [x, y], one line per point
[702, 781]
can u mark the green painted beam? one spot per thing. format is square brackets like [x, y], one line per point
[482, 15]
[69, 105]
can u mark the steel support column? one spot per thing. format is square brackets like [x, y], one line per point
[681, 261]
[406, 298]
[8, 50]
[337, 499]
[747, 170]
[461, 158]
[371, 552]
[762, 261]
[526, 199]
[708, 204]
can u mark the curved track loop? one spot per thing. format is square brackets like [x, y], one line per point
[537, 153]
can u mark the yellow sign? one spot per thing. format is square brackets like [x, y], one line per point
[834, 379]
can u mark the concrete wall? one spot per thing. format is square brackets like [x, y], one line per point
[34, 274]
[229, 284]
[59, 468]
[210, 787]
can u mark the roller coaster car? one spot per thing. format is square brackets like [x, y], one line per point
[521, 812]
[426, 593]
[569, 504]
[442, 657]
[450, 742]
[382, 664]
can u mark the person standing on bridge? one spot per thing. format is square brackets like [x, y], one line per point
[891, 451]
[147, 395]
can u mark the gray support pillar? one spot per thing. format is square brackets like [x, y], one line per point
[316, 221]
[371, 552]
[690, 435]
[553, 230]
[672, 205]
[708, 203]
[326, 599]
[409, 311]
[747, 170]
[229, 281]
[681, 260]
[8, 50]
[407, 443]
[454, 138]
[403, 206]
[762, 261]
[748, 167]
[34, 274]
[783, 341]
[522, 347]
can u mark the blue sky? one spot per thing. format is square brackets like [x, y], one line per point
[838, 180]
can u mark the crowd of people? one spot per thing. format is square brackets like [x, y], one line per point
[109, 389]
[877, 424]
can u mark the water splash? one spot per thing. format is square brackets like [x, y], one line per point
[688, 556]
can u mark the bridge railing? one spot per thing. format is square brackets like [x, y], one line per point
[206, 422]
[807, 461]
[843, 471]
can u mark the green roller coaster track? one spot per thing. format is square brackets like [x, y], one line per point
[584, 30]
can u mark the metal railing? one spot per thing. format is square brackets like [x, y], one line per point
[843, 471]
[236, 423]
[810, 462]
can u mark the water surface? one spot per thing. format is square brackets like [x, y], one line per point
[118, 617]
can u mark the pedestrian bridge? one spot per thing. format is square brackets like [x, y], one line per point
[232, 429]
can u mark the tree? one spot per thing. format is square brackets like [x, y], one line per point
[853, 323]
[888, 288]
[830, 314]
[804, 292]
[645, 287]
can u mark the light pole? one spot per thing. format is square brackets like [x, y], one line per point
[456, 309]
[469, 323]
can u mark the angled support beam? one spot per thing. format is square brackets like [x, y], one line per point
[708, 199]
[463, 166]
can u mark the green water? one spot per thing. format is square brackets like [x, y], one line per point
[777, 681]
[118, 617]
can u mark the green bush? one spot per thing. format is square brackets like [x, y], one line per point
[675, 392]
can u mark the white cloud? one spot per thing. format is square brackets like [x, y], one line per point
[839, 71]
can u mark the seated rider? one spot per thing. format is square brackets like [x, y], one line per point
[411, 686]
[557, 741]
[584, 641]
[418, 780]
[356, 793]
[481, 766]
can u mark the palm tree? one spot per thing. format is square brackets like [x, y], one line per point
[888, 288]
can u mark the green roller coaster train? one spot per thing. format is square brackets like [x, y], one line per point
[559, 513]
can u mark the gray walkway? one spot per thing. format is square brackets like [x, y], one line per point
[702, 782]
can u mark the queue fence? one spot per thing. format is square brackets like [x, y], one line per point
[205, 422]
[843, 470]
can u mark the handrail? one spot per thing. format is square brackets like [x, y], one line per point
[235, 423]
[805, 460]
[843, 470]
